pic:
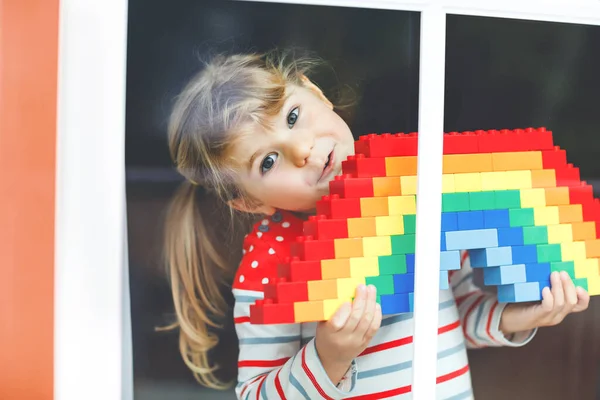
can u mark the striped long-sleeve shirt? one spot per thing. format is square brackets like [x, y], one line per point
[280, 361]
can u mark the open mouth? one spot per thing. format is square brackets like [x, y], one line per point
[328, 165]
[328, 161]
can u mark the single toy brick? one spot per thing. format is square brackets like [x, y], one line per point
[362, 267]
[479, 201]
[519, 292]
[507, 199]
[450, 260]
[309, 311]
[361, 167]
[543, 178]
[335, 268]
[410, 223]
[454, 202]
[403, 244]
[267, 312]
[475, 239]
[394, 264]
[570, 213]
[295, 270]
[404, 283]
[496, 219]
[384, 186]
[521, 217]
[396, 303]
[592, 248]
[448, 183]
[467, 182]
[402, 205]
[465, 163]
[374, 206]
[510, 236]
[505, 274]
[324, 289]
[567, 176]
[348, 187]
[533, 198]
[567, 266]
[535, 235]
[330, 306]
[283, 291]
[593, 283]
[334, 207]
[581, 282]
[584, 230]
[401, 166]
[470, 220]
[546, 215]
[389, 225]
[361, 227]
[587, 267]
[307, 249]
[491, 257]
[383, 283]
[443, 241]
[386, 145]
[347, 286]
[560, 233]
[377, 246]
[548, 252]
[513, 161]
[570, 250]
[554, 158]
[449, 221]
[444, 281]
[525, 254]
[535, 272]
[408, 185]
[321, 228]
[460, 143]
[537, 139]
[556, 196]
[346, 248]
[410, 263]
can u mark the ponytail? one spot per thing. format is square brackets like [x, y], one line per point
[198, 272]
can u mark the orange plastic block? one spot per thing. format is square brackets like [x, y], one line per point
[584, 230]
[401, 166]
[570, 213]
[466, 163]
[386, 186]
[323, 289]
[307, 311]
[557, 196]
[361, 227]
[592, 248]
[543, 178]
[336, 268]
[347, 248]
[373, 206]
[518, 160]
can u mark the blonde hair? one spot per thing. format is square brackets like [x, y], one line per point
[214, 108]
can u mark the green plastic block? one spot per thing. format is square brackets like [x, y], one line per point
[507, 199]
[582, 282]
[378, 299]
[521, 217]
[403, 244]
[410, 224]
[383, 283]
[567, 266]
[453, 202]
[394, 264]
[548, 253]
[479, 201]
[535, 235]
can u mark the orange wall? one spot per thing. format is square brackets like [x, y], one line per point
[28, 85]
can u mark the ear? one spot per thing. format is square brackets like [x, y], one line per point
[243, 206]
[310, 85]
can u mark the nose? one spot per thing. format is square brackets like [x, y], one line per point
[300, 147]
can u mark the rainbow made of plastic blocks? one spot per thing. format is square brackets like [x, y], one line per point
[509, 197]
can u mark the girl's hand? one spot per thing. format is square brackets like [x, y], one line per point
[558, 302]
[348, 333]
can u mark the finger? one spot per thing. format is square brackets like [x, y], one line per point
[358, 308]
[369, 312]
[339, 318]
[569, 289]
[557, 292]
[547, 300]
[375, 324]
[584, 300]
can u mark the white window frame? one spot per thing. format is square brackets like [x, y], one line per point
[92, 316]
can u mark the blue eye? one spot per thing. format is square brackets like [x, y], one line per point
[268, 163]
[293, 117]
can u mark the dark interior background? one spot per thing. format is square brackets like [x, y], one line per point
[499, 74]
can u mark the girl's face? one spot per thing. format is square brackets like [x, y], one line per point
[290, 166]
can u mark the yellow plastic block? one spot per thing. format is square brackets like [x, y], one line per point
[408, 185]
[570, 213]
[402, 205]
[448, 183]
[593, 285]
[347, 287]
[585, 267]
[348, 247]
[372, 206]
[386, 186]
[494, 181]
[557, 196]
[464, 163]
[533, 198]
[330, 306]
[361, 227]
[362, 267]
[401, 166]
[519, 179]
[560, 233]
[572, 251]
[336, 268]
[545, 215]
[308, 311]
[543, 178]
[323, 289]
[377, 246]
[584, 230]
[389, 225]
[518, 160]
[470, 182]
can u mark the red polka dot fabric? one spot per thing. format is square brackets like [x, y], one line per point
[267, 245]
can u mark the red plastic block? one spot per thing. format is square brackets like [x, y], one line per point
[283, 291]
[567, 176]
[360, 167]
[320, 227]
[333, 207]
[301, 271]
[581, 193]
[348, 187]
[307, 249]
[555, 158]
[538, 139]
[266, 312]
[460, 143]
[506, 140]
[387, 145]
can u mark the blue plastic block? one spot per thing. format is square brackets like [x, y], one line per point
[411, 302]
[470, 220]
[444, 283]
[449, 221]
[475, 239]
[504, 275]
[537, 272]
[410, 263]
[395, 303]
[443, 241]
[449, 260]
[526, 254]
[544, 283]
[492, 257]
[510, 236]
[496, 219]
[519, 292]
[404, 283]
